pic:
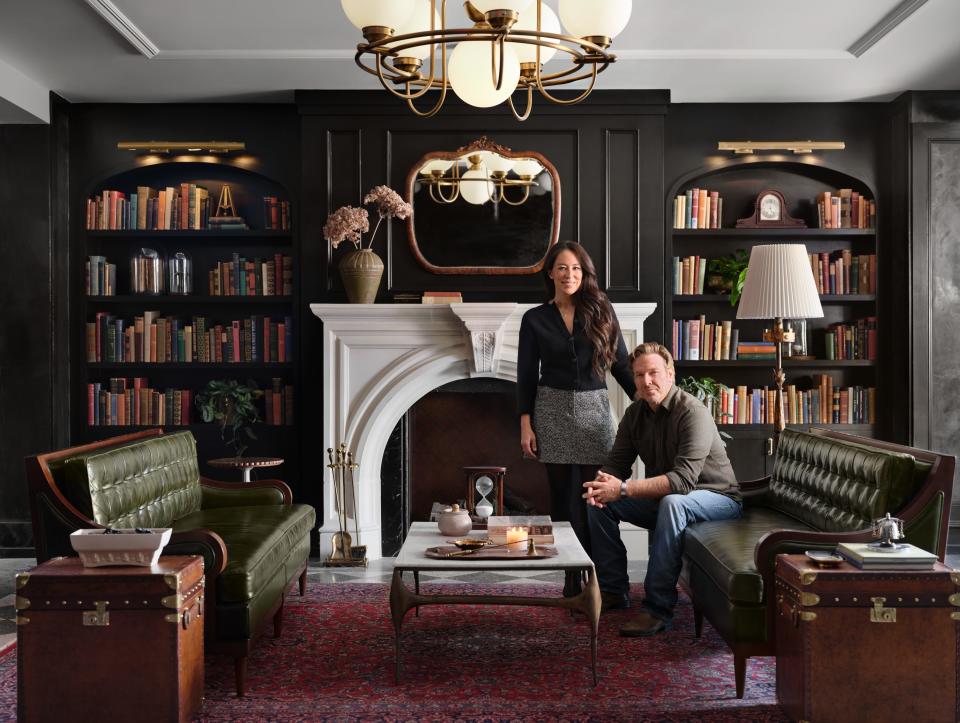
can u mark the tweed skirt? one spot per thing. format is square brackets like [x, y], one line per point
[572, 427]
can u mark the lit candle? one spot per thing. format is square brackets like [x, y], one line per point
[517, 538]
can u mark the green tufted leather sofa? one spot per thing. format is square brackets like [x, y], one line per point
[826, 487]
[253, 540]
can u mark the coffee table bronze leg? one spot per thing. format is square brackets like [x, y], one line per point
[416, 589]
[398, 608]
[592, 591]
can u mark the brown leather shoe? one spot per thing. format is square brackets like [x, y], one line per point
[644, 625]
[613, 601]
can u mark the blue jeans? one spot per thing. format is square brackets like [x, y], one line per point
[666, 519]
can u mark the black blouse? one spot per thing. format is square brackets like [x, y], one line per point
[550, 356]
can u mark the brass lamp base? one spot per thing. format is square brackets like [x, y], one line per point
[779, 336]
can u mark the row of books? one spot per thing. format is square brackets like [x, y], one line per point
[187, 206]
[183, 207]
[695, 339]
[845, 208]
[276, 214]
[843, 273]
[126, 401]
[159, 339]
[822, 403]
[852, 341]
[100, 277]
[252, 277]
[689, 273]
[698, 208]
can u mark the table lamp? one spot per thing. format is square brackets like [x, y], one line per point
[779, 285]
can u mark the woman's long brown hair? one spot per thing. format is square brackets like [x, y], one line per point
[591, 302]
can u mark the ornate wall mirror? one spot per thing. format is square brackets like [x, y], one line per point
[483, 209]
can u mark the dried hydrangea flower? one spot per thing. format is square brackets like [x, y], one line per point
[346, 224]
[388, 202]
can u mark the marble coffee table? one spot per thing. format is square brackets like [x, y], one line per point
[412, 558]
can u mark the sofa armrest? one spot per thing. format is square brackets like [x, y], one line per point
[754, 491]
[777, 542]
[205, 543]
[243, 494]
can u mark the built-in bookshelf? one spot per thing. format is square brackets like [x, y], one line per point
[146, 345]
[833, 380]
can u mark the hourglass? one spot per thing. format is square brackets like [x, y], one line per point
[485, 490]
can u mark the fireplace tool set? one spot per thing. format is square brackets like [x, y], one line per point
[345, 551]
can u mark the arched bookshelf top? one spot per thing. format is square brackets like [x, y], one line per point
[247, 188]
[739, 181]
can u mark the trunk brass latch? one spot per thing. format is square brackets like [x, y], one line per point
[99, 618]
[880, 614]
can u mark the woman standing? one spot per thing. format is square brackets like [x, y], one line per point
[566, 347]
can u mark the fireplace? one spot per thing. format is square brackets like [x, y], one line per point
[380, 359]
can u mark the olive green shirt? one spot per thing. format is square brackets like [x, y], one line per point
[679, 440]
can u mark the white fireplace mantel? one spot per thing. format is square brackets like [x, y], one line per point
[379, 359]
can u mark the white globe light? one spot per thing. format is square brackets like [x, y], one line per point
[469, 72]
[419, 22]
[475, 191]
[549, 23]
[597, 17]
[527, 167]
[486, 6]
[389, 13]
[497, 163]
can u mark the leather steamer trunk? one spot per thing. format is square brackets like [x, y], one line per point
[866, 645]
[110, 643]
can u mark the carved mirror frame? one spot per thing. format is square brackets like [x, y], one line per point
[482, 144]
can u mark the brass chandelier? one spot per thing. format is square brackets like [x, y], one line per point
[504, 51]
[486, 178]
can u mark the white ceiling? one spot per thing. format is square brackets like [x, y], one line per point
[701, 50]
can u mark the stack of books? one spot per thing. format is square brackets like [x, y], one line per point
[441, 297]
[905, 557]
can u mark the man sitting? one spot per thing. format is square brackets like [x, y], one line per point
[689, 479]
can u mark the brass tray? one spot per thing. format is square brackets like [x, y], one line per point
[444, 552]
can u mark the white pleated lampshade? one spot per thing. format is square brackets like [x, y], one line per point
[779, 283]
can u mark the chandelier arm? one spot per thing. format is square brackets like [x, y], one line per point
[453, 197]
[408, 96]
[566, 101]
[526, 195]
[497, 76]
[526, 113]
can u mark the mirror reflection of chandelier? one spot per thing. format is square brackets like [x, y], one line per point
[484, 176]
[505, 50]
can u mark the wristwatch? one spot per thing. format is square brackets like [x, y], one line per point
[623, 488]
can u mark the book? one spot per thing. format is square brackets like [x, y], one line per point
[907, 557]
[441, 297]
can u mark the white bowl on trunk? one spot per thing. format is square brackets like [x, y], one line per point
[126, 547]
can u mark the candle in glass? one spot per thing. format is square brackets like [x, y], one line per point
[517, 538]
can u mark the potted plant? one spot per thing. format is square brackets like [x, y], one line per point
[361, 268]
[229, 403]
[725, 275]
[707, 390]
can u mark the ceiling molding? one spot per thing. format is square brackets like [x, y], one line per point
[887, 24]
[626, 54]
[123, 25]
[733, 54]
[285, 54]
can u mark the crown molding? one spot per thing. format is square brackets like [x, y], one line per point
[125, 26]
[887, 24]
[284, 54]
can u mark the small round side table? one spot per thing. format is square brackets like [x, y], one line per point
[245, 464]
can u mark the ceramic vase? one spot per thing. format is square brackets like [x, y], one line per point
[361, 270]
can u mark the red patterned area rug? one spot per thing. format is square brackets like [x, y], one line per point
[335, 662]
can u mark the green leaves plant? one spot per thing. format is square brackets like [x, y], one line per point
[230, 404]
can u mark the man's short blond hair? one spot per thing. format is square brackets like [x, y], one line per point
[652, 347]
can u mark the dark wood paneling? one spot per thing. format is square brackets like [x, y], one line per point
[26, 403]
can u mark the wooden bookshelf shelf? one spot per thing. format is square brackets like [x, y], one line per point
[220, 366]
[258, 234]
[150, 301]
[787, 363]
[725, 299]
[866, 429]
[773, 233]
